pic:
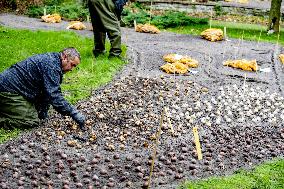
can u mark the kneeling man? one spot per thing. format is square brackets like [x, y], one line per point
[28, 88]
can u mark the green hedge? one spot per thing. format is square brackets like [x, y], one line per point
[69, 11]
[167, 20]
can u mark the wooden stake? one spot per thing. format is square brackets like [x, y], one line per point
[197, 143]
[156, 146]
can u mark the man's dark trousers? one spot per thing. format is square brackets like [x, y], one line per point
[105, 20]
[17, 112]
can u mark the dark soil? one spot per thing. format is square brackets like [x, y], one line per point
[239, 116]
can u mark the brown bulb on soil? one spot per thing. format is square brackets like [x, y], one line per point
[95, 178]
[34, 177]
[15, 175]
[65, 186]
[86, 174]
[170, 172]
[73, 173]
[107, 159]
[110, 184]
[193, 172]
[50, 183]
[162, 174]
[79, 185]
[30, 166]
[167, 162]
[28, 173]
[178, 176]
[20, 182]
[73, 167]
[86, 180]
[111, 166]
[122, 178]
[66, 182]
[174, 159]
[140, 175]
[42, 179]
[89, 169]
[145, 184]
[129, 158]
[94, 161]
[116, 156]
[103, 171]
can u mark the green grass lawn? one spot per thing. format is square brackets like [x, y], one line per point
[16, 45]
[251, 32]
[268, 175]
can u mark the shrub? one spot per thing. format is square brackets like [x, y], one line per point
[128, 19]
[73, 11]
[23, 5]
[69, 11]
[53, 2]
[19, 5]
[218, 9]
[166, 20]
[176, 19]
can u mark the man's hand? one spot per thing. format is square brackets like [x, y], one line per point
[80, 120]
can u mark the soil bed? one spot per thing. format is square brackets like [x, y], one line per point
[239, 116]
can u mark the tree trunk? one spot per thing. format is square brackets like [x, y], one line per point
[274, 16]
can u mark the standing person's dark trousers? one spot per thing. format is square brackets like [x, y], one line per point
[105, 19]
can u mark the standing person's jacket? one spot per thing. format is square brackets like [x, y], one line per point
[119, 5]
[38, 80]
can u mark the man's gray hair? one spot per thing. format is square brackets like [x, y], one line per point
[71, 53]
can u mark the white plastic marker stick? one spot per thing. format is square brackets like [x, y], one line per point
[193, 71]
[210, 21]
[197, 143]
[225, 33]
[267, 70]
[135, 25]
[150, 12]
[44, 11]
[245, 80]
[259, 37]
[279, 31]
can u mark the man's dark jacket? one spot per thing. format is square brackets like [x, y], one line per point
[119, 5]
[38, 80]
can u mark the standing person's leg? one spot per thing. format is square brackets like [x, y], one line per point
[107, 13]
[98, 29]
[17, 112]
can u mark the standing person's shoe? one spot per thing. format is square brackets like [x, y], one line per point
[97, 53]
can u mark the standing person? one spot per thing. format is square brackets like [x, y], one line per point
[28, 88]
[105, 17]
